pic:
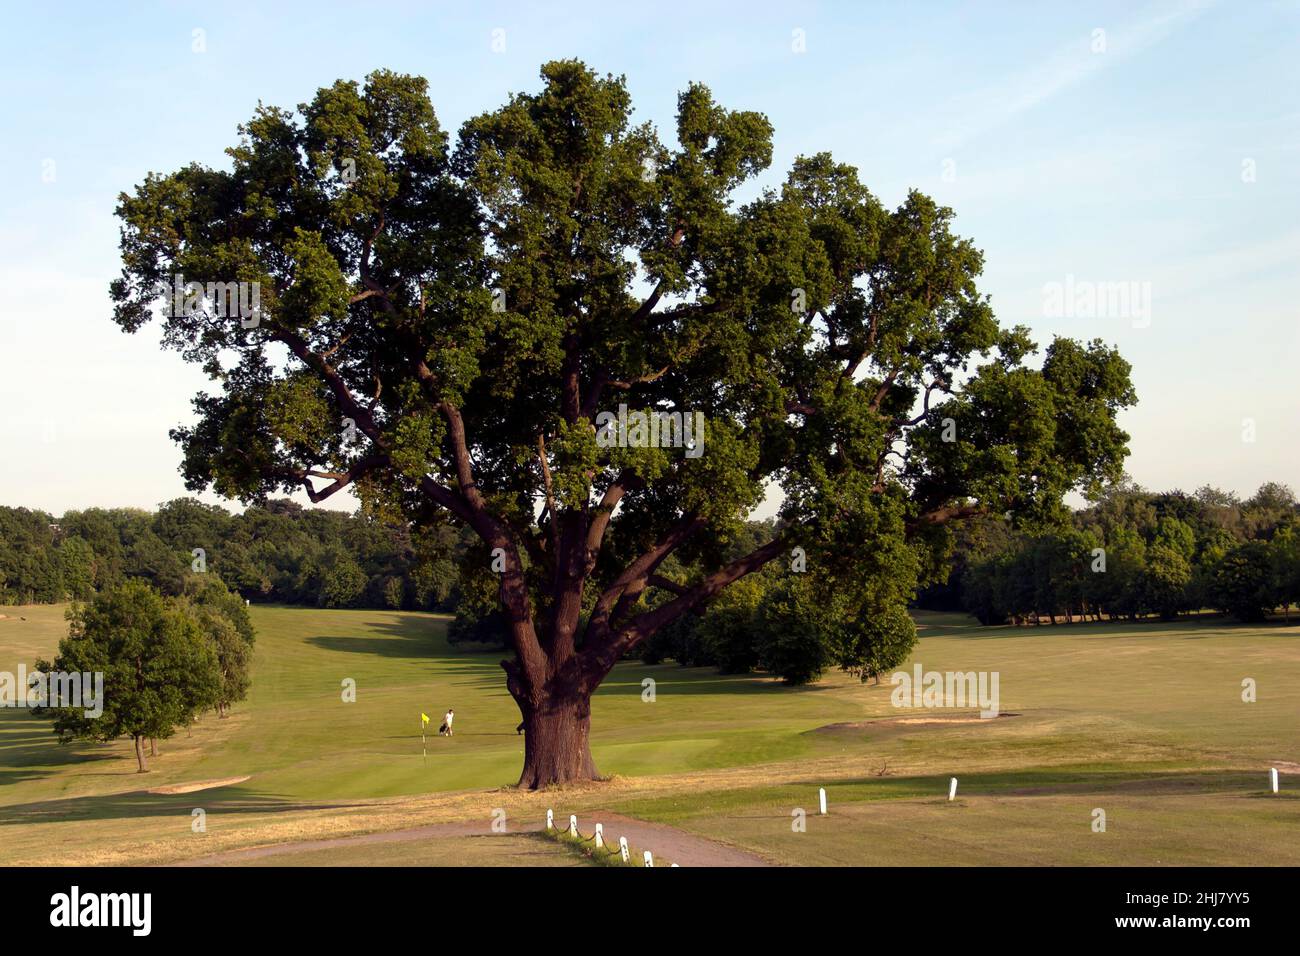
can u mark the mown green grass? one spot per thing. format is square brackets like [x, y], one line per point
[1145, 721]
[298, 739]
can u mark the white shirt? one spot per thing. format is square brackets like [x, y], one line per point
[447, 718]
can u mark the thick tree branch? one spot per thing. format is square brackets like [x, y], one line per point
[638, 570]
[627, 636]
[938, 516]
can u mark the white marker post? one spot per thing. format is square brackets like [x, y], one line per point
[821, 793]
[1272, 776]
[573, 825]
[649, 860]
[952, 790]
[600, 836]
[550, 820]
[622, 847]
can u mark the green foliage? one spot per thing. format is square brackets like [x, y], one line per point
[727, 630]
[342, 581]
[794, 633]
[30, 571]
[479, 619]
[1242, 581]
[457, 314]
[1164, 554]
[77, 561]
[224, 622]
[274, 551]
[1167, 577]
[159, 670]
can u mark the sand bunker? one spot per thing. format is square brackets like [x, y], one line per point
[194, 786]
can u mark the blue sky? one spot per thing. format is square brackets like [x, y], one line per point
[1164, 151]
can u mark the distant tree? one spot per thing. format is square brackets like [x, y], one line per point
[433, 582]
[726, 629]
[342, 581]
[1284, 561]
[103, 531]
[479, 617]
[31, 571]
[1122, 583]
[184, 524]
[1273, 505]
[982, 588]
[77, 561]
[1176, 535]
[224, 621]
[1243, 581]
[208, 590]
[1167, 577]
[159, 670]
[795, 632]
[394, 592]
[149, 557]
[1220, 509]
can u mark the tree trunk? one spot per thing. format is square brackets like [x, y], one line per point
[139, 755]
[557, 741]
[153, 747]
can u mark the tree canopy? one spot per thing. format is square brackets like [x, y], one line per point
[443, 325]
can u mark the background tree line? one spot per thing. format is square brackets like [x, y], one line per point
[1163, 554]
[277, 551]
[1132, 554]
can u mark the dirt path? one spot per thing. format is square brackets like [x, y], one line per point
[677, 846]
[663, 841]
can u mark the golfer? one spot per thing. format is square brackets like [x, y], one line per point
[447, 718]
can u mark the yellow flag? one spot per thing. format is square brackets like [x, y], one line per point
[424, 719]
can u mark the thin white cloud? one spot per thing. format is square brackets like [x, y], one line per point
[984, 110]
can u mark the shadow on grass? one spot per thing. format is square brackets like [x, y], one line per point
[139, 803]
[673, 679]
[411, 636]
[30, 751]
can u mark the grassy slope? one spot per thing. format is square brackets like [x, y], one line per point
[1145, 722]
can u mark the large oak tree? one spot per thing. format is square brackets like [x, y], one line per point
[441, 325]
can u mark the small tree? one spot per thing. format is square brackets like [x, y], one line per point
[224, 622]
[158, 669]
